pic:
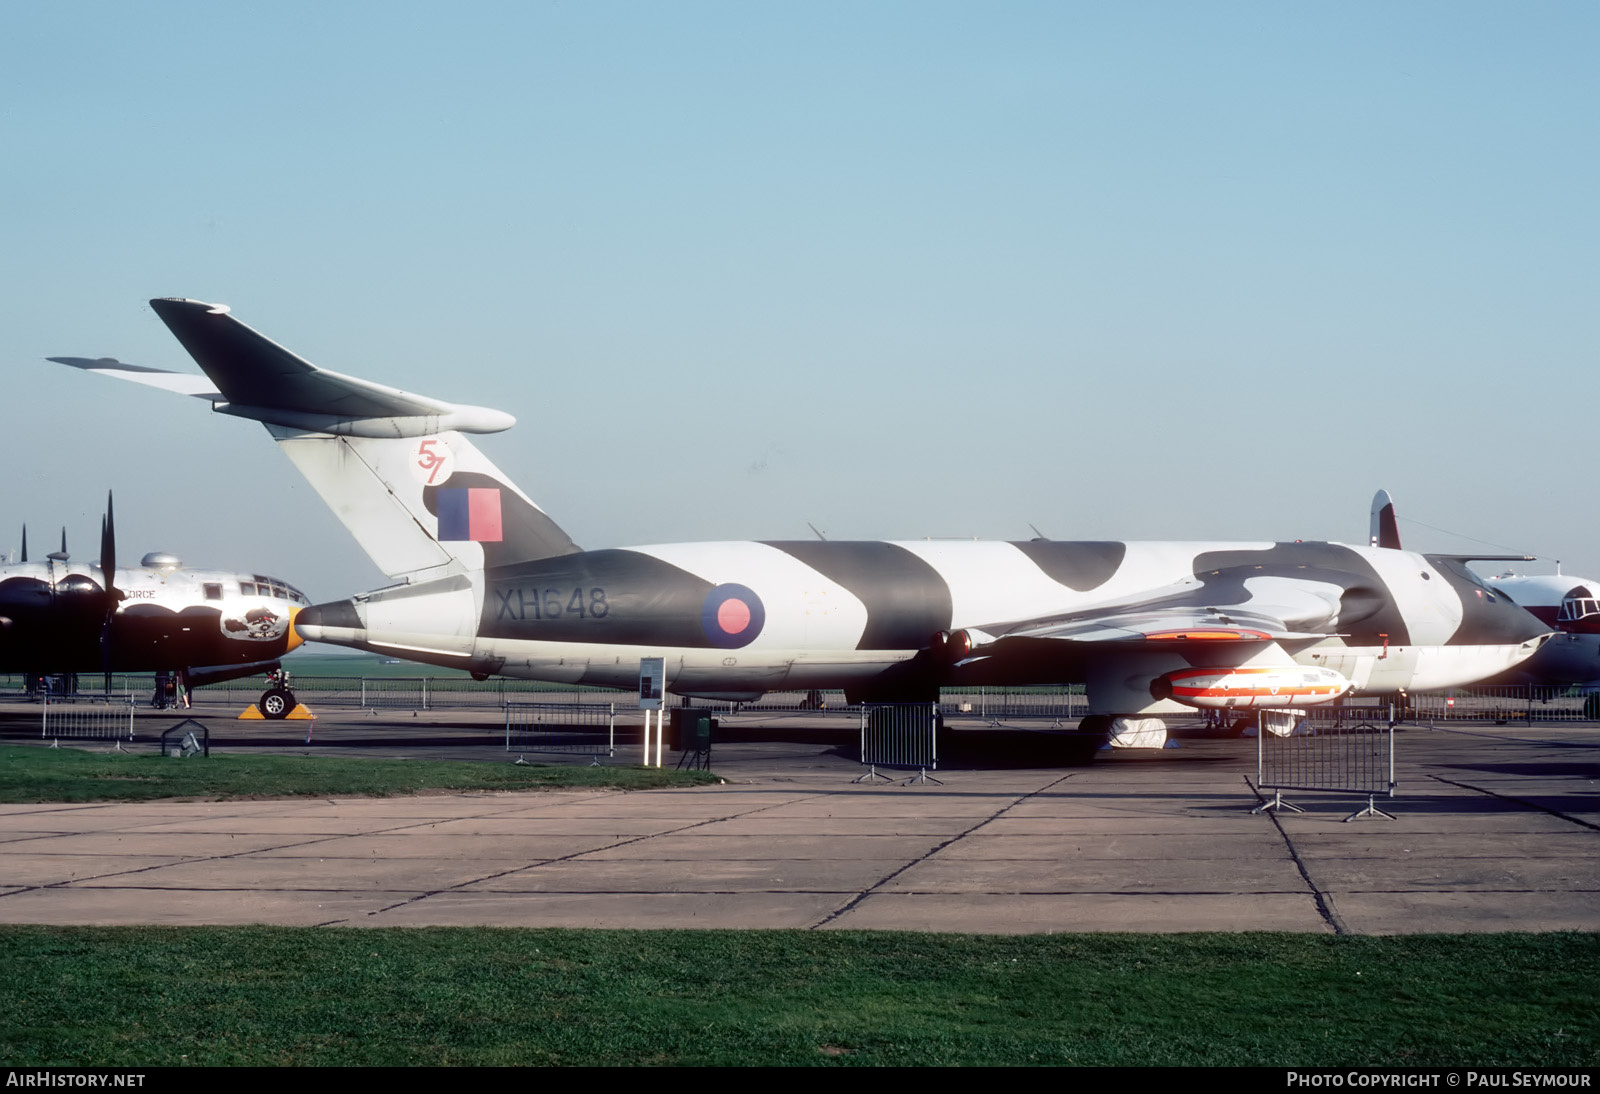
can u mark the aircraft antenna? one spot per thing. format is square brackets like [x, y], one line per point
[1472, 539]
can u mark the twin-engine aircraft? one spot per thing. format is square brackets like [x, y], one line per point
[60, 617]
[486, 581]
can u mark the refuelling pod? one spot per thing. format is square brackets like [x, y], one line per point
[1242, 687]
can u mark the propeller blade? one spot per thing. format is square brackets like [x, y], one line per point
[108, 548]
[24, 543]
[108, 569]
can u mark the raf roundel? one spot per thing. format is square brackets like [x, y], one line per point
[732, 616]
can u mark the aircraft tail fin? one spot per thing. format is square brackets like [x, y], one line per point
[424, 507]
[1384, 531]
[394, 466]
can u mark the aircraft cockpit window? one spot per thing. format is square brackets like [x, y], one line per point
[281, 589]
[1576, 608]
[213, 590]
[248, 588]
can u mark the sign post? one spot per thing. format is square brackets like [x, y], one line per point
[652, 689]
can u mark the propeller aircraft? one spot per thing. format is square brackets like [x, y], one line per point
[59, 617]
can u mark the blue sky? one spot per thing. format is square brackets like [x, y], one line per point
[1116, 270]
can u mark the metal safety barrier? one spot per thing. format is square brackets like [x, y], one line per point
[396, 694]
[1512, 703]
[1326, 749]
[1509, 704]
[566, 729]
[88, 720]
[991, 704]
[903, 735]
[407, 692]
[998, 705]
[792, 701]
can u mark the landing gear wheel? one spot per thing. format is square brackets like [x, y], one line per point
[1091, 735]
[276, 703]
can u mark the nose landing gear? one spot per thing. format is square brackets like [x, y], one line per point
[278, 700]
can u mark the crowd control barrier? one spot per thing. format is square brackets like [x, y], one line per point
[564, 729]
[1327, 749]
[902, 735]
[88, 720]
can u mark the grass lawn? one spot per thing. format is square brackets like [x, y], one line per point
[153, 996]
[34, 774]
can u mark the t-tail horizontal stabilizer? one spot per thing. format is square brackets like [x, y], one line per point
[395, 468]
[260, 379]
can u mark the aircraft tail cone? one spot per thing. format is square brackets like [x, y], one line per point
[335, 622]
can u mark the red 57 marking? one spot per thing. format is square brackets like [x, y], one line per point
[430, 457]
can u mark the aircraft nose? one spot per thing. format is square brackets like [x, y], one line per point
[331, 621]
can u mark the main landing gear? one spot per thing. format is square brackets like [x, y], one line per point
[1095, 731]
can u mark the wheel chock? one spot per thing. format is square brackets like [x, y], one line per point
[300, 713]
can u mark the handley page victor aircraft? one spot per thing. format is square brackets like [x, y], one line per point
[488, 582]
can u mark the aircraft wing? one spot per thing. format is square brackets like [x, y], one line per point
[184, 383]
[1258, 609]
[1125, 650]
[1209, 625]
